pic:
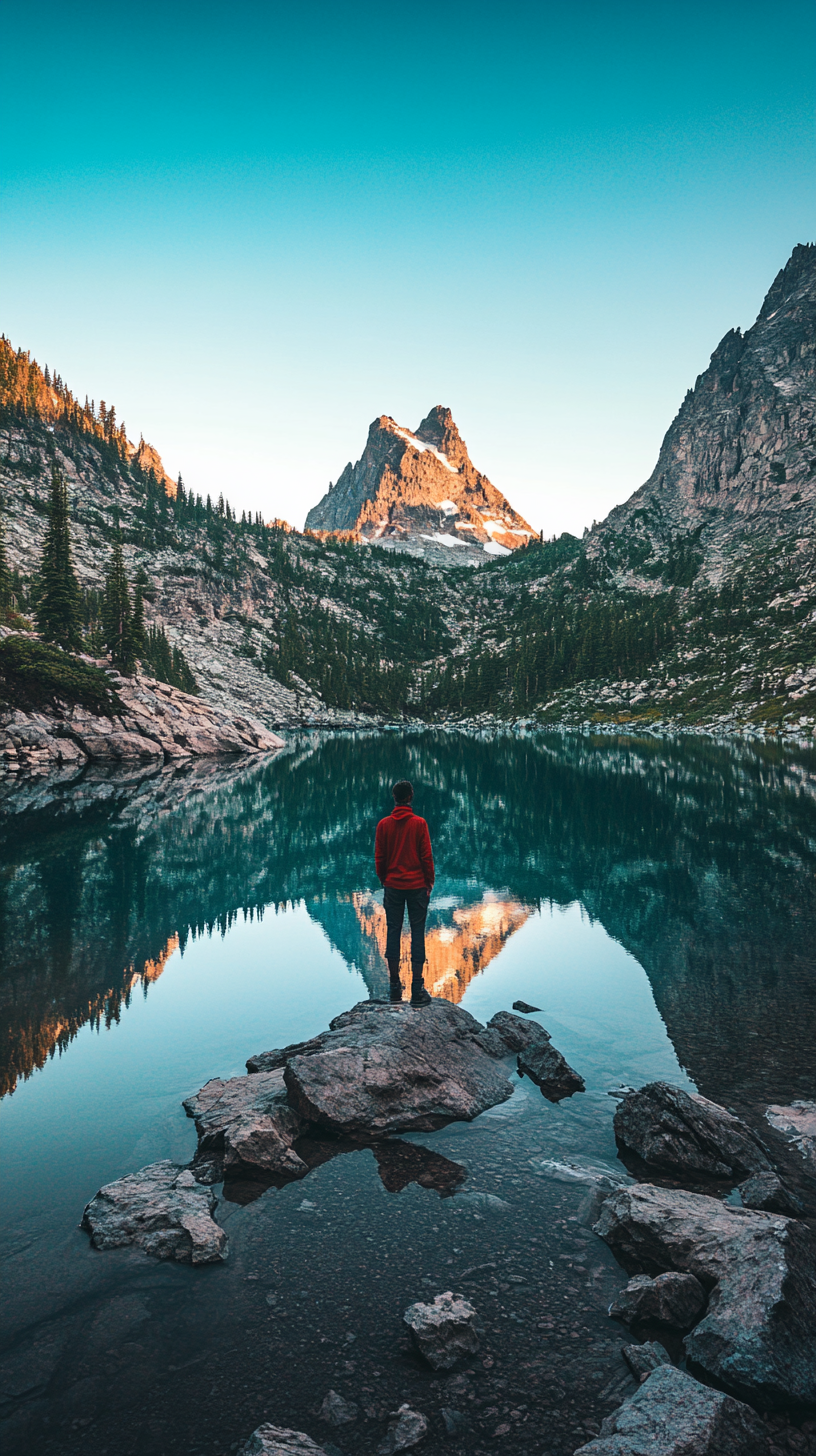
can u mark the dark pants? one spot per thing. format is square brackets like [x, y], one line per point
[394, 903]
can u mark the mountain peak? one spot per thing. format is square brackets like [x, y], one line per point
[418, 490]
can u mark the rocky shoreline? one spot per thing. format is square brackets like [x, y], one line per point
[732, 1287]
[155, 723]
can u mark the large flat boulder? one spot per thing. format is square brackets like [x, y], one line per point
[671, 1414]
[758, 1334]
[682, 1132]
[247, 1123]
[161, 1209]
[395, 1068]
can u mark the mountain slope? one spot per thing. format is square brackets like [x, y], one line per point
[737, 467]
[694, 603]
[418, 490]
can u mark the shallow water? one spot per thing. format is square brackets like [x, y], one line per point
[656, 901]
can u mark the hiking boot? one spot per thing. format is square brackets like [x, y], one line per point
[395, 990]
[419, 996]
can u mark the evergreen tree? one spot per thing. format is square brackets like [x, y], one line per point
[137, 625]
[117, 613]
[58, 611]
[5, 574]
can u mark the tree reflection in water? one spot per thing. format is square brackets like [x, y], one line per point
[697, 856]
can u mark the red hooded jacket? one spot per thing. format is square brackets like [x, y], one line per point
[402, 851]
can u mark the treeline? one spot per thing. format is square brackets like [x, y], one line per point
[111, 622]
[555, 645]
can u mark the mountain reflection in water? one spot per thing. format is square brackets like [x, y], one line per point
[698, 857]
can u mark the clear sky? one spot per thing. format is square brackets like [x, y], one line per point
[255, 227]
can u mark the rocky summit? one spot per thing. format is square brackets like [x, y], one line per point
[419, 491]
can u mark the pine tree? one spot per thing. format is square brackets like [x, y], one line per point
[5, 574]
[117, 614]
[137, 625]
[58, 611]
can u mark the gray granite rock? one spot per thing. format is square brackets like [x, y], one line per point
[270, 1440]
[673, 1415]
[525, 1006]
[337, 1411]
[797, 1124]
[758, 1334]
[643, 1359]
[516, 1033]
[161, 1209]
[673, 1299]
[393, 1068]
[682, 1132]
[247, 1123]
[767, 1191]
[444, 1331]
[545, 1066]
[406, 1428]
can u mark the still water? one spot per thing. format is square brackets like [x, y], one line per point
[655, 899]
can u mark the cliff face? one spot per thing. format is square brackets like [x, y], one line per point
[739, 460]
[420, 489]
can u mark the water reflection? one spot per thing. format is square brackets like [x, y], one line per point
[697, 857]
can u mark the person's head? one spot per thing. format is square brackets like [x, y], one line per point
[403, 792]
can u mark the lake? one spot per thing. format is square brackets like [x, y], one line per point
[655, 898]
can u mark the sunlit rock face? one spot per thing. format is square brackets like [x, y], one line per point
[419, 489]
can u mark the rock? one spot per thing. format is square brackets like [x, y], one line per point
[386, 1068]
[643, 1359]
[161, 1209]
[525, 1006]
[279, 1056]
[485, 1202]
[797, 1124]
[444, 1331]
[406, 1428]
[337, 1411]
[758, 1334]
[685, 1133]
[766, 1190]
[673, 1415]
[550, 1071]
[515, 1033]
[276, 1441]
[454, 1422]
[247, 1123]
[674, 1299]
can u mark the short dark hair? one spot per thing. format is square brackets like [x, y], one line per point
[403, 792]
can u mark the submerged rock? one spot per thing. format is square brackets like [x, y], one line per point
[797, 1124]
[393, 1068]
[673, 1299]
[406, 1428]
[685, 1133]
[247, 1123]
[673, 1415]
[277, 1441]
[444, 1331]
[525, 1006]
[545, 1066]
[767, 1191]
[758, 1334]
[337, 1411]
[643, 1359]
[161, 1209]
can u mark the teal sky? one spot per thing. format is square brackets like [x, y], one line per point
[255, 227]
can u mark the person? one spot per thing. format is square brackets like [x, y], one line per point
[405, 869]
